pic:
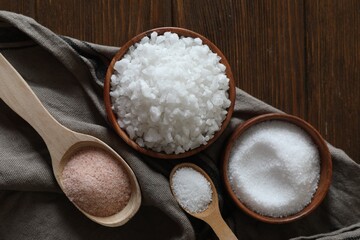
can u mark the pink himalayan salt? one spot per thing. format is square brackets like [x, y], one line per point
[96, 182]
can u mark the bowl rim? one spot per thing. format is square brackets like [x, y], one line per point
[112, 116]
[325, 166]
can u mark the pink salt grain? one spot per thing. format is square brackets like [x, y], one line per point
[96, 182]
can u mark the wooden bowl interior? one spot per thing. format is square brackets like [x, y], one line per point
[325, 166]
[112, 116]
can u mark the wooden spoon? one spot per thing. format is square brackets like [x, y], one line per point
[211, 215]
[60, 141]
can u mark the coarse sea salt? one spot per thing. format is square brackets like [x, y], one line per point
[191, 189]
[170, 93]
[274, 168]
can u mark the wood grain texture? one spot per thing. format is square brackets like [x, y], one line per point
[263, 41]
[300, 56]
[26, 7]
[103, 22]
[333, 71]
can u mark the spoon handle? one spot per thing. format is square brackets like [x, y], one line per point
[17, 94]
[220, 227]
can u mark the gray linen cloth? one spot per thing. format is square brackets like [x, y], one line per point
[67, 76]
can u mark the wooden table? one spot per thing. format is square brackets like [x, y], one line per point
[301, 56]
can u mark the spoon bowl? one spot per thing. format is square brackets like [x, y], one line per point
[211, 215]
[85, 141]
[61, 141]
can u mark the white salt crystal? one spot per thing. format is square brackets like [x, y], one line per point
[198, 41]
[191, 189]
[274, 168]
[152, 136]
[170, 81]
[155, 113]
[153, 35]
[130, 130]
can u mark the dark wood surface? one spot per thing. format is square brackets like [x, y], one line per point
[301, 56]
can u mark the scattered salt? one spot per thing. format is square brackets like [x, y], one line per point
[166, 84]
[274, 168]
[191, 189]
[96, 182]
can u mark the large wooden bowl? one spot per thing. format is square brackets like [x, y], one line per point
[113, 118]
[325, 166]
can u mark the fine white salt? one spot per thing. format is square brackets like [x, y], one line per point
[170, 93]
[191, 189]
[274, 168]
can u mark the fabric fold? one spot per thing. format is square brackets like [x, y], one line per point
[67, 75]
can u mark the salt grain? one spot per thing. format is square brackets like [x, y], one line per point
[191, 189]
[274, 168]
[96, 182]
[166, 84]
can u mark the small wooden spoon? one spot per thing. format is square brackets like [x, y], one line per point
[211, 215]
[60, 141]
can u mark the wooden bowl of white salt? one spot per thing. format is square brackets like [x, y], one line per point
[169, 93]
[276, 168]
